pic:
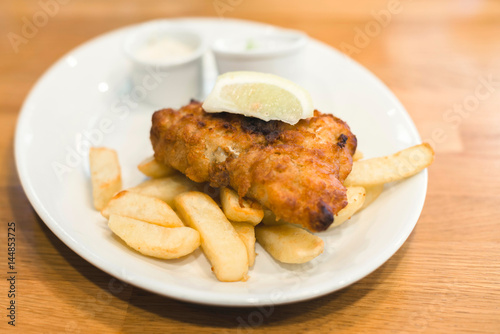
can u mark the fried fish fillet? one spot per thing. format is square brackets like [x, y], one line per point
[297, 171]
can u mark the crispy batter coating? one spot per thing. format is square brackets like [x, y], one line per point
[297, 171]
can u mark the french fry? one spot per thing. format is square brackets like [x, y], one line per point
[372, 193]
[105, 174]
[355, 200]
[358, 155]
[246, 232]
[251, 211]
[390, 168]
[142, 207]
[219, 241]
[155, 169]
[165, 188]
[288, 243]
[153, 240]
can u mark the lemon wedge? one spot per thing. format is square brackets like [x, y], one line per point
[261, 95]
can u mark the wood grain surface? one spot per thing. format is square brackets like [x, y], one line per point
[432, 54]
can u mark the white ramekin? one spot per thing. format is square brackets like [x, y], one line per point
[285, 58]
[166, 83]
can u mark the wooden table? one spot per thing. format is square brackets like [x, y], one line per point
[435, 55]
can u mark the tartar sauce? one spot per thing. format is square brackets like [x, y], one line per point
[164, 49]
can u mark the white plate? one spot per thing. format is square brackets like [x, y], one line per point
[84, 88]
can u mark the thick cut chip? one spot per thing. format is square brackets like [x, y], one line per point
[390, 168]
[358, 155]
[288, 243]
[372, 193]
[246, 233]
[251, 211]
[153, 240]
[105, 174]
[165, 188]
[142, 207]
[155, 169]
[219, 240]
[355, 200]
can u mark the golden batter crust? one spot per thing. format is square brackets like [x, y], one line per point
[297, 171]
